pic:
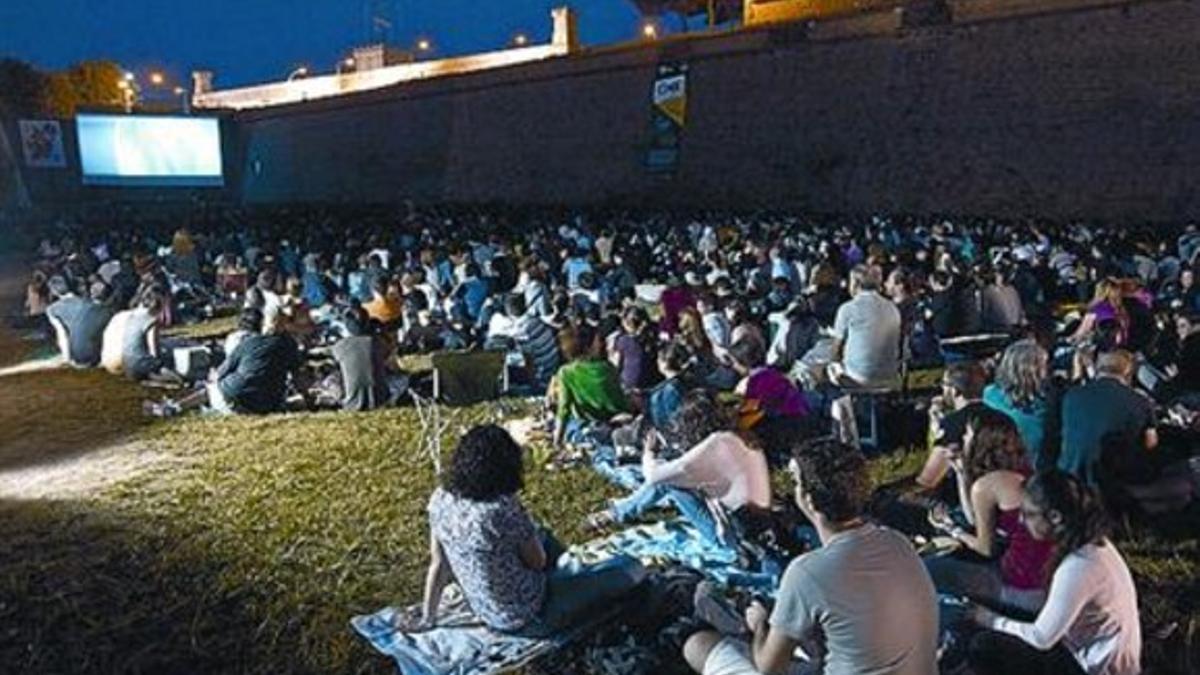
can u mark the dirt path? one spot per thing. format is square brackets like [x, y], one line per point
[81, 476]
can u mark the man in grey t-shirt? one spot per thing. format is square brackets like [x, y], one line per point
[79, 325]
[862, 604]
[867, 332]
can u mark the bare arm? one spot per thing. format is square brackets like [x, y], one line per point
[436, 579]
[964, 491]
[983, 503]
[1085, 328]
[533, 554]
[770, 650]
[152, 339]
[60, 336]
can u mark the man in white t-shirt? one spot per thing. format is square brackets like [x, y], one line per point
[861, 604]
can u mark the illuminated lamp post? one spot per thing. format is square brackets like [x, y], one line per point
[128, 86]
[302, 71]
[649, 30]
[424, 46]
[345, 63]
[184, 101]
[520, 40]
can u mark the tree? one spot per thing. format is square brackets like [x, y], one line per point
[22, 88]
[86, 84]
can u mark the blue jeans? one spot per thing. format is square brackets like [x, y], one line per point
[573, 589]
[689, 504]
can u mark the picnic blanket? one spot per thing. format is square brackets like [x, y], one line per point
[460, 644]
[626, 476]
[676, 541]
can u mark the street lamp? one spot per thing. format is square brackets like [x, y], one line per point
[424, 45]
[520, 40]
[302, 71]
[649, 30]
[157, 79]
[128, 88]
[184, 101]
[345, 63]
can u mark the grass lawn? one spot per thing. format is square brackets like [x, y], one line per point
[249, 547]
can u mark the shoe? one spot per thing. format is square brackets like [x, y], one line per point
[167, 408]
[713, 609]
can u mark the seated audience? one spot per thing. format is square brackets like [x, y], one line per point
[587, 389]
[362, 361]
[535, 340]
[717, 465]
[79, 323]
[141, 355]
[962, 389]
[1024, 392]
[862, 603]
[991, 471]
[1106, 412]
[1089, 622]
[867, 333]
[512, 573]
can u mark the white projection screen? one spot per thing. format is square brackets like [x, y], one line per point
[150, 151]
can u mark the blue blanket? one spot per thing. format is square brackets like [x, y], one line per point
[460, 645]
[677, 542]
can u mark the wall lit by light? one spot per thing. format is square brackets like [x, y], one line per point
[325, 86]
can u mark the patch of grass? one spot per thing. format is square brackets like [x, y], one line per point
[211, 329]
[13, 349]
[53, 414]
[297, 521]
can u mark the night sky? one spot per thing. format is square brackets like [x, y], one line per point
[247, 41]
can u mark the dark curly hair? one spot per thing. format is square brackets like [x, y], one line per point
[700, 416]
[1083, 519]
[835, 476]
[996, 445]
[486, 465]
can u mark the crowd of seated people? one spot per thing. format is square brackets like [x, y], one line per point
[704, 350]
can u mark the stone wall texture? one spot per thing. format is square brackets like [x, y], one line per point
[1004, 107]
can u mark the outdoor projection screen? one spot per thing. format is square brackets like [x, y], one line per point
[127, 150]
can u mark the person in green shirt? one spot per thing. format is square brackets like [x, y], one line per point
[587, 388]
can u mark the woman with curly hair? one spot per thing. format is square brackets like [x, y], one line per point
[1022, 391]
[508, 568]
[991, 471]
[1089, 623]
[719, 465]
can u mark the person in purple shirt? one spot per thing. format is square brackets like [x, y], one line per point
[773, 407]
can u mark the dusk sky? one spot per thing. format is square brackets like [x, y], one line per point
[248, 41]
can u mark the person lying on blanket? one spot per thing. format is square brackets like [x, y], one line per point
[862, 603]
[507, 566]
[719, 465]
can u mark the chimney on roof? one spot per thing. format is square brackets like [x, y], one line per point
[202, 82]
[373, 57]
[566, 28]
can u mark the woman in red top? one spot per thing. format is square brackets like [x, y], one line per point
[991, 472]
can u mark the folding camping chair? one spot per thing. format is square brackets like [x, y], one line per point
[460, 378]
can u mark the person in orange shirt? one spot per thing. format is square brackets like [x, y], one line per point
[387, 302]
